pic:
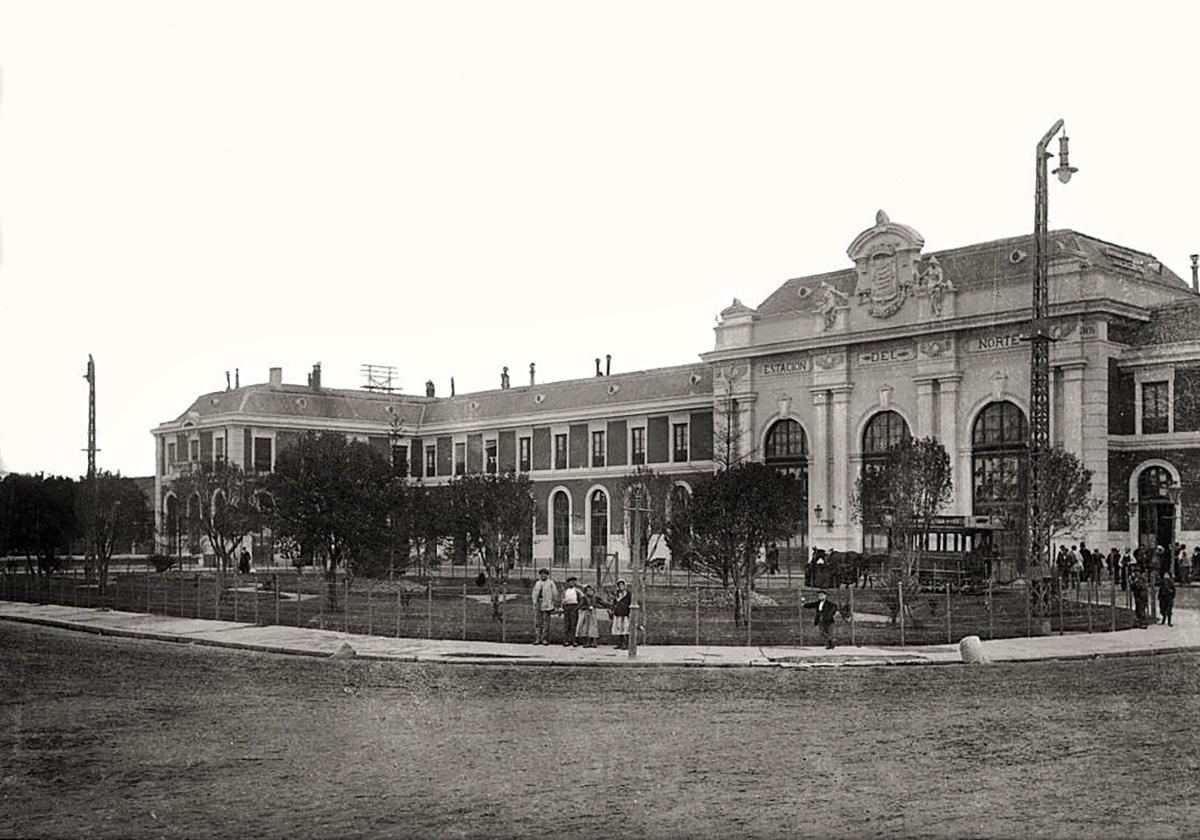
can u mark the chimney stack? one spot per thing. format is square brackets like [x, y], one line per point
[452, 386]
[1196, 273]
[598, 367]
[227, 380]
[276, 376]
[314, 378]
[531, 373]
[608, 364]
[237, 378]
[429, 389]
[504, 378]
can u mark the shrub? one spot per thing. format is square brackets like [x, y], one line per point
[160, 562]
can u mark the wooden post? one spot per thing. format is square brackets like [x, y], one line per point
[1061, 592]
[749, 616]
[464, 612]
[900, 595]
[852, 636]
[1028, 607]
[235, 601]
[299, 600]
[370, 613]
[504, 613]
[429, 610]
[949, 634]
[991, 612]
[800, 613]
[149, 609]
[1112, 604]
[399, 596]
[346, 604]
[697, 620]
[1089, 605]
[181, 593]
[275, 586]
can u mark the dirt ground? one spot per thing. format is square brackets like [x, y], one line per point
[103, 737]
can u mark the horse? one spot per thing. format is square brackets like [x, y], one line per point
[833, 569]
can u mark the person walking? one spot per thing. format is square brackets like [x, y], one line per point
[587, 631]
[1166, 598]
[620, 615]
[1137, 585]
[823, 621]
[570, 608]
[1126, 562]
[545, 600]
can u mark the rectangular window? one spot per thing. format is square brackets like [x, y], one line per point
[1156, 408]
[597, 449]
[219, 449]
[170, 454]
[560, 452]
[637, 445]
[489, 451]
[193, 450]
[262, 454]
[400, 459]
[430, 461]
[526, 445]
[680, 448]
[460, 459]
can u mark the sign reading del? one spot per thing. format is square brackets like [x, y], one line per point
[886, 355]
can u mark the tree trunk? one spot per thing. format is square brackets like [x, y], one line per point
[331, 587]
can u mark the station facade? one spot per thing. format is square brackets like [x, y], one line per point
[819, 379]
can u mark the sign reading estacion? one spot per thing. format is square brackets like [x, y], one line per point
[885, 355]
[783, 366]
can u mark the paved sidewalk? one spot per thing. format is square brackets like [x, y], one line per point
[311, 642]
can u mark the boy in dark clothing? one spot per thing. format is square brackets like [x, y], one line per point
[1166, 598]
[826, 610]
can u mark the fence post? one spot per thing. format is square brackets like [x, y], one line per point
[166, 586]
[399, 597]
[800, 614]
[149, 609]
[900, 595]
[346, 605]
[235, 602]
[1028, 606]
[429, 610]
[256, 621]
[1089, 605]
[949, 634]
[991, 612]
[217, 598]
[749, 615]
[697, 618]
[464, 612]
[275, 586]
[1112, 604]
[852, 639]
[181, 593]
[370, 612]
[504, 612]
[1061, 591]
[299, 601]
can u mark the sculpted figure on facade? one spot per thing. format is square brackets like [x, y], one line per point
[936, 285]
[831, 301]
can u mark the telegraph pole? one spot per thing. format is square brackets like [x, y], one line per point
[1039, 338]
[93, 488]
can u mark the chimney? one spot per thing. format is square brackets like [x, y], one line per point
[237, 378]
[429, 390]
[314, 378]
[227, 386]
[1196, 273]
[531, 373]
[452, 386]
[276, 376]
[504, 378]
[607, 364]
[598, 373]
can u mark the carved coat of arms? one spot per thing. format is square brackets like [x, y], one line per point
[885, 256]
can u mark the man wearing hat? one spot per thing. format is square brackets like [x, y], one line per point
[570, 608]
[826, 610]
[545, 599]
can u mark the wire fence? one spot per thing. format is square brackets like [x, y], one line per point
[673, 612]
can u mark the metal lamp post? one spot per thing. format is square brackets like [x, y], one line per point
[1040, 338]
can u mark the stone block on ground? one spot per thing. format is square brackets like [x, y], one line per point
[971, 651]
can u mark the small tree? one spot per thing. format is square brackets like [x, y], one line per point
[491, 512]
[731, 519]
[907, 490]
[331, 500]
[40, 518]
[221, 501]
[427, 519]
[121, 516]
[1067, 504]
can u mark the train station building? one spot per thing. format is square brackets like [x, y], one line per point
[818, 379]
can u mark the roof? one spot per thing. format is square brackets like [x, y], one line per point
[1179, 321]
[987, 263]
[301, 401]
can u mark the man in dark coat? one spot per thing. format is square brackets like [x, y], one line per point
[826, 610]
[1140, 590]
[1166, 598]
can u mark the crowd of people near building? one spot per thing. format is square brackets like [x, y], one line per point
[1137, 571]
[579, 607]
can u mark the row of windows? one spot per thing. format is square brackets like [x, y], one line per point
[261, 450]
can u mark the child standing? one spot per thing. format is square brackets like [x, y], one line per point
[620, 615]
[587, 631]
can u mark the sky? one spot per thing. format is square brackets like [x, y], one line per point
[187, 188]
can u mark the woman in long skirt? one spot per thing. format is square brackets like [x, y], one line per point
[587, 630]
[620, 616]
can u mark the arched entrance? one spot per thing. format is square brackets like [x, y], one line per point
[1156, 507]
[999, 465]
[883, 431]
[171, 525]
[787, 451]
[599, 523]
[561, 527]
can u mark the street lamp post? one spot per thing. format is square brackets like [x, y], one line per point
[1040, 338]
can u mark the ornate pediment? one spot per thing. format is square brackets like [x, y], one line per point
[886, 256]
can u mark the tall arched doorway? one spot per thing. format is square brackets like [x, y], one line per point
[561, 527]
[171, 524]
[599, 523]
[999, 473]
[787, 451]
[1156, 507]
[883, 431]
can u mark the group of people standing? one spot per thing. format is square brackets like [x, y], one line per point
[581, 622]
[1137, 571]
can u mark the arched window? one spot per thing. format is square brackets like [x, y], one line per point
[561, 506]
[787, 451]
[599, 543]
[680, 497]
[883, 431]
[999, 469]
[1154, 484]
[1156, 507]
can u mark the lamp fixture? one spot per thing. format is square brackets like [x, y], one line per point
[1064, 171]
